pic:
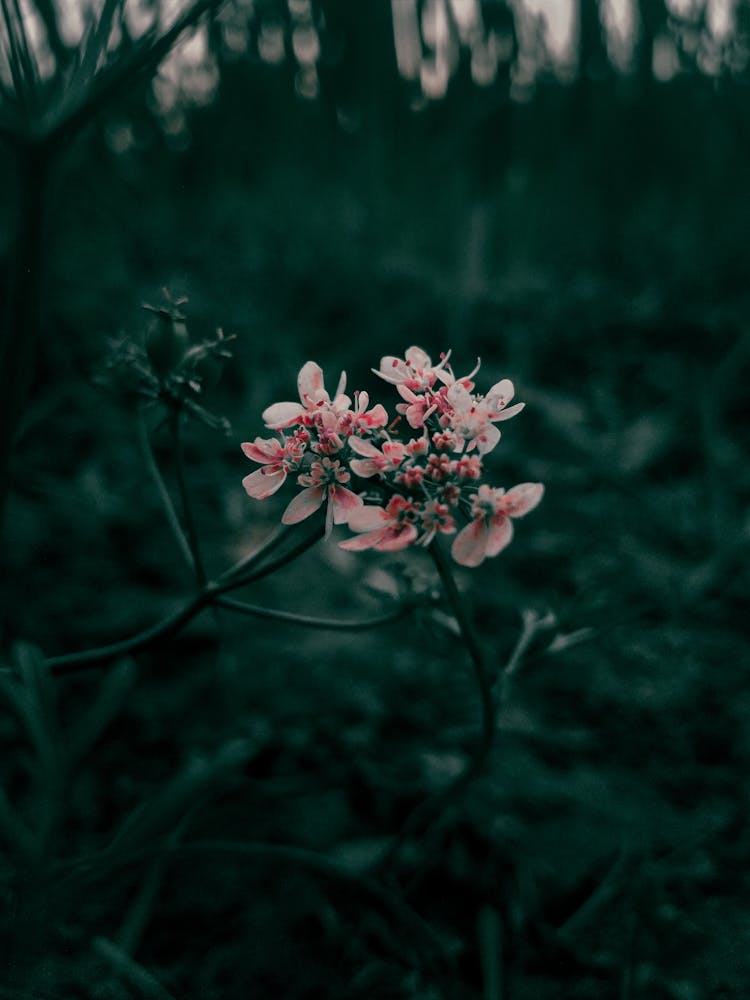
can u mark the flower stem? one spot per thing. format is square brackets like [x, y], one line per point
[331, 624]
[166, 499]
[481, 674]
[187, 509]
[172, 624]
[424, 814]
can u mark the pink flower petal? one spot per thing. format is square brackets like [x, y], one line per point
[366, 541]
[500, 394]
[393, 370]
[263, 450]
[499, 534]
[508, 412]
[417, 358]
[470, 544]
[367, 518]
[377, 416]
[366, 448]
[364, 467]
[487, 439]
[522, 498]
[310, 384]
[280, 415]
[303, 505]
[344, 503]
[263, 482]
[397, 537]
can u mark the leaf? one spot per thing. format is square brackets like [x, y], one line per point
[159, 816]
[114, 689]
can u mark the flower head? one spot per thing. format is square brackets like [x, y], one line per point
[420, 487]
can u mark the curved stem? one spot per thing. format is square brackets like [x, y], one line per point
[225, 584]
[331, 624]
[481, 673]
[426, 812]
[248, 561]
[166, 499]
[187, 509]
[71, 662]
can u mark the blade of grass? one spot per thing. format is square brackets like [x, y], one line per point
[139, 979]
[119, 73]
[94, 44]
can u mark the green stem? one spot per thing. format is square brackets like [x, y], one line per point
[172, 624]
[481, 674]
[166, 499]
[331, 624]
[426, 812]
[141, 980]
[247, 561]
[187, 510]
[225, 584]
[71, 662]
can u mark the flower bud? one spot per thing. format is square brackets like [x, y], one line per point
[166, 339]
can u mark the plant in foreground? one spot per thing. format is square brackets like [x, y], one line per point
[418, 488]
[348, 459]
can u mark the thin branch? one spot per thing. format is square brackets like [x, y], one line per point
[235, 582]
[426, 812]
[331, 624]
[481, 673]
[172, 624]
[164, 496]
[247, 561]
[71, 662]
[187, 509]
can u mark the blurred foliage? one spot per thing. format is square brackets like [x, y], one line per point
[320, 188]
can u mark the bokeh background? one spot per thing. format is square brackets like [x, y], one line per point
[558, 187]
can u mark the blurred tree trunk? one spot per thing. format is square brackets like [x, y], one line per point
[21, 311]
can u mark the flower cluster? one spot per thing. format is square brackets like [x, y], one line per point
[422, 485]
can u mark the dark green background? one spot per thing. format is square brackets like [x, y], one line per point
[588, 241]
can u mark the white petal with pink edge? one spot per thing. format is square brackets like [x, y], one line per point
[310, 384]
[522, 498]
[303, 505]
[366, 448]
[263, 482]
[508, 412]
[364, 467]
[367, 518]
[263, 450]
[501, 393]
[280, 415]
[470, 544]
[344, 503]
[366, 541]
[499, 534]
[397, 537]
